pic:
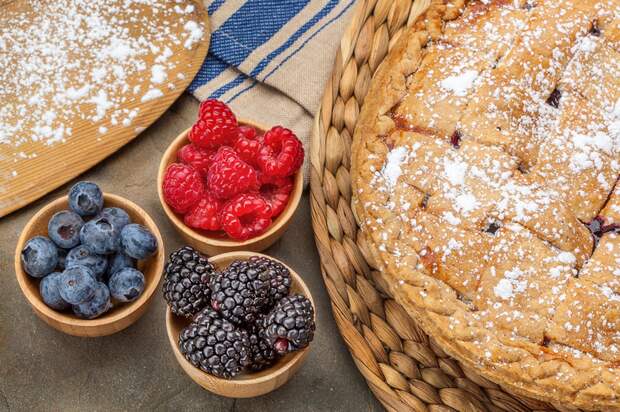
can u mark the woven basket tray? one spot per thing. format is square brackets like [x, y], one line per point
[403, 367]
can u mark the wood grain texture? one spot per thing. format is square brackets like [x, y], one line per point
[245, 385]
[120, 316]
[214, 246]
[33, 169]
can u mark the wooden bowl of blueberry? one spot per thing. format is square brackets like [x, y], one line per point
[89, 263]
[240, 324]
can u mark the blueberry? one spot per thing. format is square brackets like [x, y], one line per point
[64, 229]
[127, 284]
[84, 256]
[101, 236]
[138, 242]
[77, 285]
[117, 216]
[85, 199]
[39, 256]
[119, 261]
[50, 293]
[95, 306]
[62, 257]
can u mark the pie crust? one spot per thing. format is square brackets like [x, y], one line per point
[487, 149]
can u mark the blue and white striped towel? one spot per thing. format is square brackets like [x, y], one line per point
[270, 59]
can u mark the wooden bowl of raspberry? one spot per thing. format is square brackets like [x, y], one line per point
[228, 184]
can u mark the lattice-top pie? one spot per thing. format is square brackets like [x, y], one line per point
[485, 175]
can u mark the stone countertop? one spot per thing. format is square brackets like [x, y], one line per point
[43, 369]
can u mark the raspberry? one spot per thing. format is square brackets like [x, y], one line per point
[197, 157]
[282, 153]
[205, 215]
[247, 131]
[276, 193]
[216, 125]
[182, 187]
[229, 175]
[245, 216]
[248, 145]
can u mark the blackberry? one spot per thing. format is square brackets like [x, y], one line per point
[186, 282]
[279, 277]
[240, 292]
[215, 345]
[289, 326]
[263, 355]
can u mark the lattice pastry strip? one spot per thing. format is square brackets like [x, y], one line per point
[580, 157]
[589, 319]
[523, 282]
[611, 212]
[603, 268]
[505, 107]
[458, 261]
[477, 184]
[611, 33]
[449, 69]
[600, 64]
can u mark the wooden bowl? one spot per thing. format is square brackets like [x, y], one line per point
[216, 245]
[121, 315]
[245, 385]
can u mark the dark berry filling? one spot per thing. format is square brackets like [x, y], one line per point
[492, 227]
[455, 139]
[554, 98]
[598, 228]
[424, 203]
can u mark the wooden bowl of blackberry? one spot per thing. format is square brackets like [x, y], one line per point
[89, 263]
[228, 184]
[240, 323]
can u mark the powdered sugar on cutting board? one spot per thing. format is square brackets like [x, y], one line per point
[85, 60]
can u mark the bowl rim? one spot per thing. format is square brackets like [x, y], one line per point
[169, 157]
[244, 379]
[127, 309]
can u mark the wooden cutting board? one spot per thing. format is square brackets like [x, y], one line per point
[81, 78]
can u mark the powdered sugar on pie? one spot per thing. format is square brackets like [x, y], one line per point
[503, 141]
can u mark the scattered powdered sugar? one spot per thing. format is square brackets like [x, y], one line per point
[392, 168]
[466, 203]
[77, 60]
[151, 94]
[503, 289]
[567, 258]
[194, 34]
[461, 83]
[476, 183]
[455, 171]
[158, 74]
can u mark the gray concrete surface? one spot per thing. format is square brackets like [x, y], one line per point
[42, 369]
